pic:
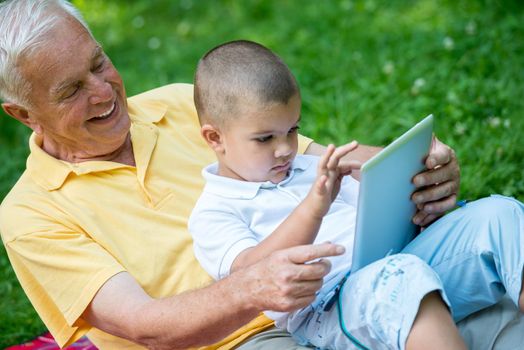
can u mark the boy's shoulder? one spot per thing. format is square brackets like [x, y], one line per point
[222, 194]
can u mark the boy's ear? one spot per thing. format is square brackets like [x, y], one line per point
[213, 137]
[22, 115]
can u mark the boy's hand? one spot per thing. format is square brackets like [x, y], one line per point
[331, 170]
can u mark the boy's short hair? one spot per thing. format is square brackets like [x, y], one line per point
[236, 74]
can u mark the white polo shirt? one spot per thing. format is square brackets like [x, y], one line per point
[233, 215]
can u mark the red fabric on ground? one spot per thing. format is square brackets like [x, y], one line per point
[47, 342]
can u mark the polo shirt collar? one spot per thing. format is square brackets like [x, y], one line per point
[238, 189]
[51, 173]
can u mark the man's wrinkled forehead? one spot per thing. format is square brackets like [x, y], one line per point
[64, 50]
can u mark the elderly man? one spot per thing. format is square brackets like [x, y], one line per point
[96, 226]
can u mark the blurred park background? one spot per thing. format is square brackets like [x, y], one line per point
[367, 70]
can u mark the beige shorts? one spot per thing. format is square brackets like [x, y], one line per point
[271, 339]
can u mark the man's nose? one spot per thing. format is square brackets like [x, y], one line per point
[100, 90]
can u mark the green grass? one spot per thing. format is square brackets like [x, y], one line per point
[367, 70]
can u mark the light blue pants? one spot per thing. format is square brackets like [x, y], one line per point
[478, 253]
[473, 255]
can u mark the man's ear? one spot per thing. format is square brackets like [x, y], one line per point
[22, 115]
[213, 137]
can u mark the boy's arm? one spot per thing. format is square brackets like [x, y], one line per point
[301, 226]
[437, 187]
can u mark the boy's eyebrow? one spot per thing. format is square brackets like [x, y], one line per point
[271, 131]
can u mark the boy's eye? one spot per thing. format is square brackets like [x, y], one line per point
[293, 129]
[264, 138]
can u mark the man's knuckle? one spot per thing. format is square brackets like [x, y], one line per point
[288, 276]
[454, 186]
[421, 179]
[309, 255]
[447, 189]
[301, 274]
[286, 290]
[314, 271]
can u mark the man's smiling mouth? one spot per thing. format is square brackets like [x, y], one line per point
[106, 114]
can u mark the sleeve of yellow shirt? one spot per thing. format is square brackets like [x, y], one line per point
[52, 259]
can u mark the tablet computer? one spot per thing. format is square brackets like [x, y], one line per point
[385, 209]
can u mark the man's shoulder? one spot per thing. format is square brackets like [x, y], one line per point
[166, 93]
[24, 187]
[153, 105]
[18, 203]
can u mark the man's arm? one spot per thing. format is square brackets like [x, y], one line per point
[437, 187]
[281, 282]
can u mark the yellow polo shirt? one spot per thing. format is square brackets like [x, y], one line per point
[67, 228]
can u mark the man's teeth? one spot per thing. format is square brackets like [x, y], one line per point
[103, 115]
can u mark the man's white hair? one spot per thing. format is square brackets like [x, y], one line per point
[23, 28]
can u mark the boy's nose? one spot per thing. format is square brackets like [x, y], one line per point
[283, 150]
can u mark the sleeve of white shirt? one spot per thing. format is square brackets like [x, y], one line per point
[349, 190]
[219, 237]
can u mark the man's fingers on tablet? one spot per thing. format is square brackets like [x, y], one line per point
[436, 176]
[435, 193]
[427, 213]
[441, 206]
[428, 219]
[419, 217]
[439, 154]
[423, 219]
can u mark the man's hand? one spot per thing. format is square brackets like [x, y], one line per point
[332, 167]
[437, 187]
[288, 279]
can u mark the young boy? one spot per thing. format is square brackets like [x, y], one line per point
[261, 197]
